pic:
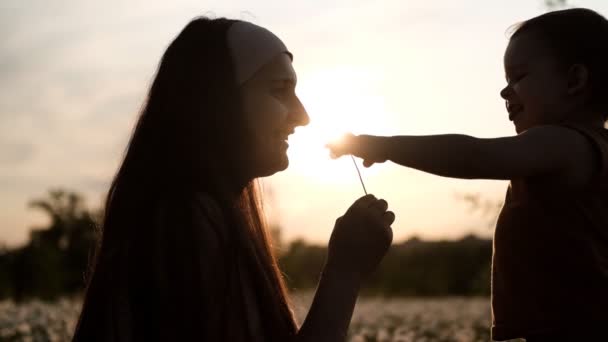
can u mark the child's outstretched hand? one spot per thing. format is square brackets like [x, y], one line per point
[372, 149]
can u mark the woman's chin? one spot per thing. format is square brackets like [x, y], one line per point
[282, 165]
[274, 167]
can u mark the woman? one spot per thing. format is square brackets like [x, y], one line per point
[184, 253]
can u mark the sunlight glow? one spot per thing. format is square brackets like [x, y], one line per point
[338, 101]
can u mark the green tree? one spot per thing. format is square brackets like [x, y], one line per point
[55, 260]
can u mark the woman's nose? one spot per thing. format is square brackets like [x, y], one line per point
[298, 113]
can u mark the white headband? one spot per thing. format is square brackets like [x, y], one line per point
[251, 47]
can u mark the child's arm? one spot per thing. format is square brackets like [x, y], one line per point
[545, 150]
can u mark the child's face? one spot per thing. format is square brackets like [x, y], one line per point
[536, 86]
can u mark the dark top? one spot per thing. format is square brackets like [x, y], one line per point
[185, 286]
[550, 260]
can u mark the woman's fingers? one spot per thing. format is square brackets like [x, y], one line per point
[365, 201]
[377, 208]
[388, 218]
[380, 204]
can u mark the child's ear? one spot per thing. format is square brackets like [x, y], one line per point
[578, 78]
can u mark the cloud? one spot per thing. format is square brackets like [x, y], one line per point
[15, 153]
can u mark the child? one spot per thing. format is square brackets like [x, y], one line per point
[550, 260]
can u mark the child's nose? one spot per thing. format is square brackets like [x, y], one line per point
[506, 92]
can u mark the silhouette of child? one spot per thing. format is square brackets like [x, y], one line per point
[550, 259]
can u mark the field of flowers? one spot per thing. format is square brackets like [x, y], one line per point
[415, 319]
[375, 319]
[38, 321]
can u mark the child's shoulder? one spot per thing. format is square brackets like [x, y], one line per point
[596, 137]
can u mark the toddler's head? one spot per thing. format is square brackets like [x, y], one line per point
[556, 67]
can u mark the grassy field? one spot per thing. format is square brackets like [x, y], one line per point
[375, 319]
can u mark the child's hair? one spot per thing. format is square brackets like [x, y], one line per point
[576, 36]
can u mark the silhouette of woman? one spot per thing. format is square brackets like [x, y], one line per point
[184, 253]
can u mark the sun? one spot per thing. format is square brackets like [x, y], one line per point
[338, 101]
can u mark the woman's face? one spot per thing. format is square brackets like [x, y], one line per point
[273, 111]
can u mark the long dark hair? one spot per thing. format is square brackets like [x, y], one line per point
[576, 36]
[190, 138]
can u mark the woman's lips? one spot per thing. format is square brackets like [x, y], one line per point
[282, 140]
[283, 137]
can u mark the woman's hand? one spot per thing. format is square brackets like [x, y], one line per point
[359, 241]
[361, 238]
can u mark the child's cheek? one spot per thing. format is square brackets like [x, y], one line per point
[522, 90]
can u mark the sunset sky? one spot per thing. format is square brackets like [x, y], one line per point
[75, 73]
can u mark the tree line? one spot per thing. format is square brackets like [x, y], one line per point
[54, 261]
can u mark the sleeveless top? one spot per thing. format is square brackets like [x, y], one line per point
[550, 258]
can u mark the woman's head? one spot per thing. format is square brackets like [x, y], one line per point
[267, 83]
[556, 67]
[216, 109]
